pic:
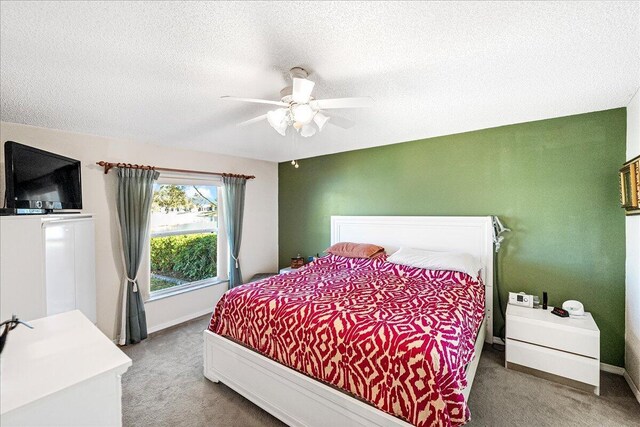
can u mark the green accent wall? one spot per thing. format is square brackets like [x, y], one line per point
[553, 182]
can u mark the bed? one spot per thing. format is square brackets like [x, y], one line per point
[361, 342]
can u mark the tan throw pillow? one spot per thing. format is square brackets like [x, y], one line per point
[355, 250]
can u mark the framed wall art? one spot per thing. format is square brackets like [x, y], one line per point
[630, 186]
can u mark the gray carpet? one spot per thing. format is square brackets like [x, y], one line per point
[165, 387]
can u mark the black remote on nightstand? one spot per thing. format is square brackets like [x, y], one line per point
[560, 312]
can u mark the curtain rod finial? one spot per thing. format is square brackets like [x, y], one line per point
[106, 165]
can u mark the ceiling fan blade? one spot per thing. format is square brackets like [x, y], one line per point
[302, 90]
[341, 122]
[257, 101]
[251, 121]
[326, 104]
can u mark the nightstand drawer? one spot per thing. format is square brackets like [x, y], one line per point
[556, 336]
[578, 368]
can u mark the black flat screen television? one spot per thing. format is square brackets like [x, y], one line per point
[38, 179]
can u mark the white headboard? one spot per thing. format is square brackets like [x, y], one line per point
[469, 234]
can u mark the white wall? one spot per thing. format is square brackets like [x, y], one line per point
[259, 251]
[632, 312]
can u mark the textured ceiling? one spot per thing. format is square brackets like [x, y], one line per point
[154, 72]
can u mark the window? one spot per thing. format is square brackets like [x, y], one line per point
[184, 236]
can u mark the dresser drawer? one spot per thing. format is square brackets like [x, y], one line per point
[578, 368]
[556, 336]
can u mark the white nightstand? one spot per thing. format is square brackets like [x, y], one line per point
[542, 342]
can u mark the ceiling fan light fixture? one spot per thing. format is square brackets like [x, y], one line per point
[302, 90]
[308, 130]
[320, 120]
[303, 113]
[278, 120]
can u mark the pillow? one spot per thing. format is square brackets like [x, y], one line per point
[355, 250]
[432, 260]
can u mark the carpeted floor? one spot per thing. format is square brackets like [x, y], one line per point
[165, 387]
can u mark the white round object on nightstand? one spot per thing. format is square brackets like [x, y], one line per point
[575, 308]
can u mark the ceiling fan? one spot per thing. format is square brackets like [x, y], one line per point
[300, 110]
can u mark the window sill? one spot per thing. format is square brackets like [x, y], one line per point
[162, 294]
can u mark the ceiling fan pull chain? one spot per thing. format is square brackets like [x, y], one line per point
[294, 162]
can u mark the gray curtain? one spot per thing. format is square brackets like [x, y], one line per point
[134, 197]
[234, 189]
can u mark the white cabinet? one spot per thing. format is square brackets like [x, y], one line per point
[64, 372]
[565, 347]
[47, 265]
[22, 289]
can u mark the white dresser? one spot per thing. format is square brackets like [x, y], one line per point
[64, 372]
[564, 347]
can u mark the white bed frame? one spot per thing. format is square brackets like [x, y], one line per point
[299, 400]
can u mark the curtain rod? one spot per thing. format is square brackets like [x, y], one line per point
[108, 165]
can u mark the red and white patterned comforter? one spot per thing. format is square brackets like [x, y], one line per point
[398, 337]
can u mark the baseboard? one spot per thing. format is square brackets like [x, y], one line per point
[632, 385]
[612, 369]
[179, 320]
